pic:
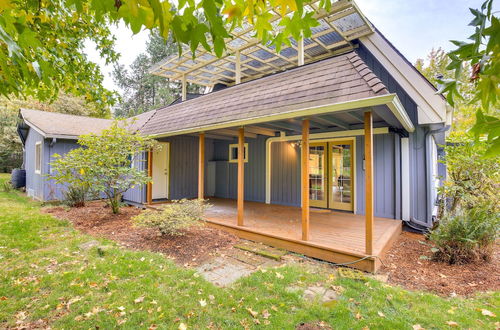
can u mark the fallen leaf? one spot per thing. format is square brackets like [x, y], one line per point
[452, 323]
[418, 327]
[211, 297]
[256, 321]
[139, 300]
[486, 312]
[265, 314]
[203, 303]
[3, 298]
[280, 276]
[253, 313]
[121, 308]
[358, 316]
[274, 308]
[182, 326]
[381, 314]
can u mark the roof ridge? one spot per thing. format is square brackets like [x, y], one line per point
[376, 85]
[63, 114]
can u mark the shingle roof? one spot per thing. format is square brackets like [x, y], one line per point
[339, 79]
[53, 124]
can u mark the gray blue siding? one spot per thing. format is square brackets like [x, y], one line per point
[380, 71]
[52, 190]
[137, 194]
[34, 181]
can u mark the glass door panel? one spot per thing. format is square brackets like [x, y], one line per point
[318, 180]
[341, 175]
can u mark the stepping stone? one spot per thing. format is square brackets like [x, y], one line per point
[353, 274]
[316, 292]
[261, 249]
[224, 271]
[88, 245]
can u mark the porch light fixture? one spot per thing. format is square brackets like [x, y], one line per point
[296, 144]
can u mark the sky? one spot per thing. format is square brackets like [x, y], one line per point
[413, 26]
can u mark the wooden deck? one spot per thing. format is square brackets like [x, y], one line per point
[334, 236]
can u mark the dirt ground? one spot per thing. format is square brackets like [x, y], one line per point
[407, 264]
[97, 220]
[406, 267]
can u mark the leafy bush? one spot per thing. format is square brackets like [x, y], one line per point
[467, 236]
[75, 196]
[472, 179]
[173, 219]
[7, 186]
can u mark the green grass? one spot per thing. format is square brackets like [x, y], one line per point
[42, 269]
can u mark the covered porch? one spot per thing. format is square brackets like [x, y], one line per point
[334, 236]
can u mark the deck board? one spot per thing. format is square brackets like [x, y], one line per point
[341, 233]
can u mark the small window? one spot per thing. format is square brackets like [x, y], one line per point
[38, 157]
[233, 153]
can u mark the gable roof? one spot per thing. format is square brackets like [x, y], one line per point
[335, 80]
[431, 107]
[60, 125]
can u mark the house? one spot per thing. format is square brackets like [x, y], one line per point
[340, 137]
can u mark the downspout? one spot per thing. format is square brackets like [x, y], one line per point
[428, 222]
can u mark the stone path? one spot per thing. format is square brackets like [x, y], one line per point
[225, 269]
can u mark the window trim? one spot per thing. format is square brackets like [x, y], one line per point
[235, 146]
[38, 162]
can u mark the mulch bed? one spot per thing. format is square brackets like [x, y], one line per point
[406, 267]
[97, 220]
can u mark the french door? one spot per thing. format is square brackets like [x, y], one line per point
[331, 175]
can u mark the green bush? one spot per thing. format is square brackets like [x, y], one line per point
[467, 236]
[75, 196]
[175, 218]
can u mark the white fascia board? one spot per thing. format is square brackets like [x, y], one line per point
[432, 108]
[42, 133]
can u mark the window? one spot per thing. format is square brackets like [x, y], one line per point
[233, 153]
[38, 157]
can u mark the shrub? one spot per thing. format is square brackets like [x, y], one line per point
[75, 196]
[467, 236]
[173, 219]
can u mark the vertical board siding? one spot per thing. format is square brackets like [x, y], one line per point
[227, 173]
[418, 180]
[285, 174]
[52, 190]
[137, 194]
[391, 84]
[34, 182]
[384, 175]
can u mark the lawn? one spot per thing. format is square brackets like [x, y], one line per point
[47, 280]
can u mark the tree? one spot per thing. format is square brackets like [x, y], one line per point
[41, 41]
[435, 70]
[482, 53]
[105, 163]
[142, 91]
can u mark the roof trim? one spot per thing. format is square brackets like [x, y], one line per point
[432, 108]
[391, 100]
[38, 130]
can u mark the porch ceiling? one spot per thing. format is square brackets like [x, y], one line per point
[338, 27]
[331, 122]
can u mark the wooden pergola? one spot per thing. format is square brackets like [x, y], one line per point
[247, 58]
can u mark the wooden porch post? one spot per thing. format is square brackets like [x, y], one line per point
[241, 173]
[201, 167]
[149, 188]
[305, 179]
[184, 88]
[369, 182]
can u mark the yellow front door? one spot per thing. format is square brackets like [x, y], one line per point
[318, 181]
[331, 175]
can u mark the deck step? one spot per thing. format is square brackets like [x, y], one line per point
[262, 250]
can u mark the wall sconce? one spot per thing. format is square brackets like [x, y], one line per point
[296, 144]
